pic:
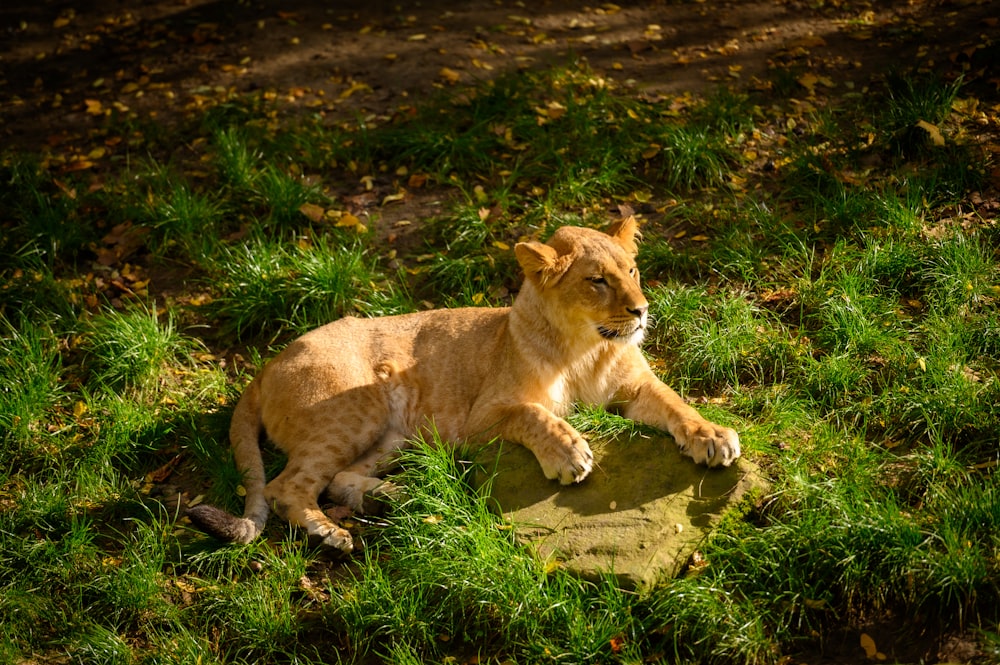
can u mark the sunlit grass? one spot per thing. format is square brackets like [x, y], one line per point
[132, 349]
[31, 384]
[266, 285]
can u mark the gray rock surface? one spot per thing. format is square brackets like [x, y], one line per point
[639, 515]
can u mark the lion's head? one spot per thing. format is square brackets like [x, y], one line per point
[588, 283]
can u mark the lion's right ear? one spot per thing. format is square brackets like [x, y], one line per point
[541, 263]
[625, 232]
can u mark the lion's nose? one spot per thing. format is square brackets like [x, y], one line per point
[637, 312]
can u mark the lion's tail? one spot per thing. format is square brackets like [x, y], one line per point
[244, 433]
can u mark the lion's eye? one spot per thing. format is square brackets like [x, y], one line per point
[632, 272]
[598, 279]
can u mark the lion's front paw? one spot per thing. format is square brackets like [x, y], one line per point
[569, 463]
[710, 444]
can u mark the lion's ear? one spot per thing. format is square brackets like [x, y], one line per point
[625, 232]
[540, 262]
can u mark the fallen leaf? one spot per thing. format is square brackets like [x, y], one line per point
[450, 75]
[868, 644]
[395, 198]
[314, 212]
[185, 586]
[932, 131]
[871, 651]
[161, 474]
[347, 219]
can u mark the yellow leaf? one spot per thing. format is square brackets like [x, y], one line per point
[416, 38]
[241, 491]
[477, 299]
[499, 244]
[868, 644]
[554, 110]
[450, 75]
[79, 409]
[433, 519]
[808, 81]
[699, 238]
[935, 134]
[393, 198]
[94, 106]
[347, 219]
[185, 586]
[356, 86]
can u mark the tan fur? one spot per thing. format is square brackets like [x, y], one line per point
[341, 400]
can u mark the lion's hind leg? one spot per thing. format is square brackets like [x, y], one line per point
[318, 457]
[360, 486]
[294, 494]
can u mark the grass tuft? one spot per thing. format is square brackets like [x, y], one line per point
[266, 285]
[132, 349]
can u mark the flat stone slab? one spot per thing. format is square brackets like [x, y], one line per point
[639, 515]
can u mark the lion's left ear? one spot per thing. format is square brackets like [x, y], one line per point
[625, 232]
[541, 263]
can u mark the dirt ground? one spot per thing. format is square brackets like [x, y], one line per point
[65, 65]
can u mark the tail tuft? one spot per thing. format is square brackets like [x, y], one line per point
[217, 522]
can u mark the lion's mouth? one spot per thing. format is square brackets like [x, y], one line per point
[618, 333]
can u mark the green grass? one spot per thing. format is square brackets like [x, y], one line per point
[298, 284]
[839, 307]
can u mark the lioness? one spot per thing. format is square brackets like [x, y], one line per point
[342, 400]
